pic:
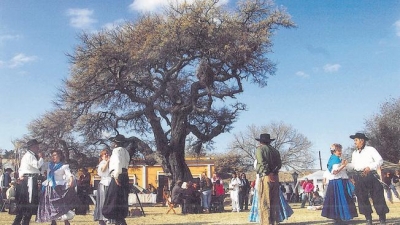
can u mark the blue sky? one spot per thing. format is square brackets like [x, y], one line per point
[334, 69]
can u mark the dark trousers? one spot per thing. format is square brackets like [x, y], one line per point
[369, 186]
[243, 200]
[25, 208]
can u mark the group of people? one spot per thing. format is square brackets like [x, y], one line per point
[338, 203]
[194, 198]
[54, 197]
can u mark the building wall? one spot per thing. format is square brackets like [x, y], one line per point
[143, 175]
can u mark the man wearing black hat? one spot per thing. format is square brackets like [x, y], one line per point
[267, 168]
[366, 160]
[116, 200]
[26, 195]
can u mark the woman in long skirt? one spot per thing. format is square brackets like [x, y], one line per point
[104, 172]
[58, 195]
[338, 202]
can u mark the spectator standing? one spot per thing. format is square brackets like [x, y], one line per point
[105, 178]
[387, 178]
[206, 191]
[234, 186]
[268, 166]
[6, 180]
[244, 192]
[289, 192]
[365, 161]
[116, 201]
[308, 189]
[26, 196]
[83, 191]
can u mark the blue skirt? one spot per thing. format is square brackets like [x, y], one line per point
[338, 202]
[285, 211]
[253, 217]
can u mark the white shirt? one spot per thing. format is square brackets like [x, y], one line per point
[342, 174]
[368, 157]
[104, 175]
[235, 183]
[119, 159]
[29, 164]
[61, 176]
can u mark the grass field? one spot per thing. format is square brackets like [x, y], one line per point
[157, 215]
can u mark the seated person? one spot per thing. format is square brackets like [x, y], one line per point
[316, 202]
[219, 188]
[192, 198]
[177, 195]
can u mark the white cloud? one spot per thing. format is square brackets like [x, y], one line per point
[397, 27]
[154, 5]
[302, 74]
[81, 18]
[20, 60]
[7, 37]
[331, 68]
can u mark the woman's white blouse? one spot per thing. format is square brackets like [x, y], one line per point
[61, 176]
[105, 177]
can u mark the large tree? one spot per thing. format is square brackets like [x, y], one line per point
[171, 75]
[293, 146]
[383, 129]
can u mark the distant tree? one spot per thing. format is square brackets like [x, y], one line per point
[293, 146]
[8, 154]
[383, 130]
[226, 163]
[172, 74]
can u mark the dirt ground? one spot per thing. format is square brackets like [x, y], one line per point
[157, 215]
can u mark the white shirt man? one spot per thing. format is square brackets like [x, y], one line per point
[119, 160]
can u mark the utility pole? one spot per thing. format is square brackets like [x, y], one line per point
[320, 162]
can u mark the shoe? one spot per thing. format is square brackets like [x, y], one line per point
[382, 222]
[369, 222]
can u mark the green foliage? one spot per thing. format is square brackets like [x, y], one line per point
[383, 129]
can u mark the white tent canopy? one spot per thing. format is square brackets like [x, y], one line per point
[318, 175]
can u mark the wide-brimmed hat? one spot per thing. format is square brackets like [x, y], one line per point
[264, 138]
[31, 143]
[360, 136]
[118, 139]
[9, 169]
